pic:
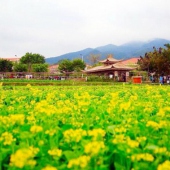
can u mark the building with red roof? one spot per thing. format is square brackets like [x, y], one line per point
[16, 59]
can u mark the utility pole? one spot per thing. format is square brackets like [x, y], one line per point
[81, 57]
[82, 61]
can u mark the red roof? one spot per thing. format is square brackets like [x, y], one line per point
[130, 61]
[11, 59]
[53, 66]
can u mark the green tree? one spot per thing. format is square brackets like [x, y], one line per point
[18, 67]
[65, 66]
[40, 67]
[30, 59]
[78, 65]
[5, 65]
[157, 61]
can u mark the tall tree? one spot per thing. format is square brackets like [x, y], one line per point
[30, 59]
[65, 66]
[157, 61]
[94, 58]
[78, 64]
[5, 65]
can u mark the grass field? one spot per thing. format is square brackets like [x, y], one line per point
[113, 127]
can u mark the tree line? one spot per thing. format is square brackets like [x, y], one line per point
[32, 62]
[28, 63]
[157, 61]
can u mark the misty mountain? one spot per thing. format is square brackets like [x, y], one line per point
[128, 50]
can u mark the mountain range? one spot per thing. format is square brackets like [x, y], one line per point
[125, 51]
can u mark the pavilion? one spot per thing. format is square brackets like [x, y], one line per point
[112, 68]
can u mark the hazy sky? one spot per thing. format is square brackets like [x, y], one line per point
[55, 27]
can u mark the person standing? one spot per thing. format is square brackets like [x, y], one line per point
[161, 79]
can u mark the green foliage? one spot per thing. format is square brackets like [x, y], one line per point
[65, 66]
[101, 79]
[30, 59]
[5, 65]
[69, 66]
[40, 67]
[18, 67]
[78, 65]
[157, 61]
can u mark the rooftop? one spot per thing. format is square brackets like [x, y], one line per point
[110, 59]
[11, 59]
[131, 61]
[116, 66]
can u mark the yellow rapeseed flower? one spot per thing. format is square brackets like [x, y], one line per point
[62, 95]
[55, 152]
[141, 139]
[161, 112]
[17, 119]
[81, 161]
[132, 143]
[125, 106]
[164, 166]
[94, 147]
[46, 108]
[163, 124]
[48, 167]
[36, 129]
[95, 133]
[120, 130]
[74, 135]
[31, 119]
[11, 108]
[7, 138]
[142, 156]
[160, 150]
[153, 124]
[120, 138]
[50, 132]
[24, 157]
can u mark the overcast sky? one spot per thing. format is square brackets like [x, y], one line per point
[55, 27]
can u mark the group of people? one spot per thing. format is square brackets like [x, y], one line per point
[164, 79]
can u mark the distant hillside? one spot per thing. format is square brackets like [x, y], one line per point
[128, 50]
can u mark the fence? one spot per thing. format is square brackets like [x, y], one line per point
[77, 76]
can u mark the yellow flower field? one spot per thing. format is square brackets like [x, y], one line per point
[118, 127]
